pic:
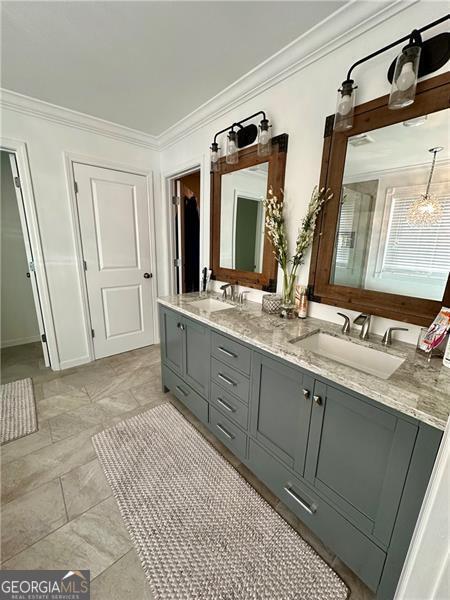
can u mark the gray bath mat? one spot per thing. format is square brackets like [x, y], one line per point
[17, 410]
[200, 530]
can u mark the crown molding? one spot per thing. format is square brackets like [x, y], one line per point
[26, 105]
[352, 20]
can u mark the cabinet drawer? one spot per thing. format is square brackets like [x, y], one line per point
[230, 380]
[228, 433]
[185, 394]
[364, 557]
[228, 405]
[232, 353]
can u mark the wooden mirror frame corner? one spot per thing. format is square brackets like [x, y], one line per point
[432, 95]
[248, 157]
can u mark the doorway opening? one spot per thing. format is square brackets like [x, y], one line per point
[186, 228]
[24, 351]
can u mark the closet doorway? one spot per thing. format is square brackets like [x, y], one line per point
[23, 338]
[186, 228]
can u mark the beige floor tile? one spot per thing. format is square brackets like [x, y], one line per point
[95, 541]
[31, 517]
[118, 383]
[29, 472]
[61, 387]
[125, 580]
[147, 394]
[84, 487]
[26, 445]
[57, 405]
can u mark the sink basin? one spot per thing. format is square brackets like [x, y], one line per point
[362, 358]
[211, 304]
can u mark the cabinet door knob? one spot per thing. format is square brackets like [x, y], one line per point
[317, 400]
[180, 326]
[306, 394]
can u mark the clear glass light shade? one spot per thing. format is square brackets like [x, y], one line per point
[404, 82]
[215, 164]
[345, 105]
[264, 139]
[426, 210]
[232, 149]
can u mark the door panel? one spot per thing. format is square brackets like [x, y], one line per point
[30, 258]
[358, 457]
[114, 221]
[280, 410]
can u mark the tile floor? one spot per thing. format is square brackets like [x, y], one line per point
[57, 510]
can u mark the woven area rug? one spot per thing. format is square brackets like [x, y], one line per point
[17, 410]
[200, 530]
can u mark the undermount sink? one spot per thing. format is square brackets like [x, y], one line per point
[211, 304]
[362, 358]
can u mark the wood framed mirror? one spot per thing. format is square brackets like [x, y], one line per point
[371, 251]
[241, 253]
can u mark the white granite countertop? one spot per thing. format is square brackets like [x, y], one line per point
[418, 388]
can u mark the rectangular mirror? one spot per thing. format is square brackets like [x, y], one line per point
[240, 251]
[242, 218]
[387, 238]
[382, 244]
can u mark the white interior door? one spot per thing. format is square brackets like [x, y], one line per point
[30, 259]
[113, 211]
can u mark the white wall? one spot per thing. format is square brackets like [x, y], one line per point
[19, 323]
[47, 142]
[298, 106]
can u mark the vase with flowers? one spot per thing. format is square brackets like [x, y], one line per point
[276, 231]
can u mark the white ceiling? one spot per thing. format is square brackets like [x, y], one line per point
[143, 64]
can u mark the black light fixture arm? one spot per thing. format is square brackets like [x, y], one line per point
[239, 124]
[399, 41]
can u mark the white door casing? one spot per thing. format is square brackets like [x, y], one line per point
[113, 212]
[29, 254]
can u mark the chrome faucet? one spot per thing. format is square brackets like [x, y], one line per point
[387, 337]
[224, 289]
[364, 321]
[242, 296]
[346, 325]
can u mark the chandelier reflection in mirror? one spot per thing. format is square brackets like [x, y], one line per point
[427, 209]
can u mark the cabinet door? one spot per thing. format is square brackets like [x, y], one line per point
[196, 366]
[281, 409]
[172, 340]
[358, 456]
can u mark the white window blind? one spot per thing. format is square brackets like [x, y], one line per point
[346, 232]
[422, 249]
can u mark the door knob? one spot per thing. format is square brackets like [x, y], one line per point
[147, 275]
[28, 275]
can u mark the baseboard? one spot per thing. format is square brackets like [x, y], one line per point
[20, 341]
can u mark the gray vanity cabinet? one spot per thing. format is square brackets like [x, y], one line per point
[172, 340]
[186, 349]
[281, 409]
[358, 458]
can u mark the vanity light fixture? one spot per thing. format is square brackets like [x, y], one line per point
[427, 209]
[404, 81]
[264, 138]
[232, 148]
[239, 136]
[215, 165]
[416, 60]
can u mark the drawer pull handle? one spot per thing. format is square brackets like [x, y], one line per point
[306, 394]
[229, 435]
[226, 352]
[317, 400]
[226, 379]
[181, 391]
[225, 405]
[309, 509]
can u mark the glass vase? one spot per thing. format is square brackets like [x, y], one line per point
[288, 295]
